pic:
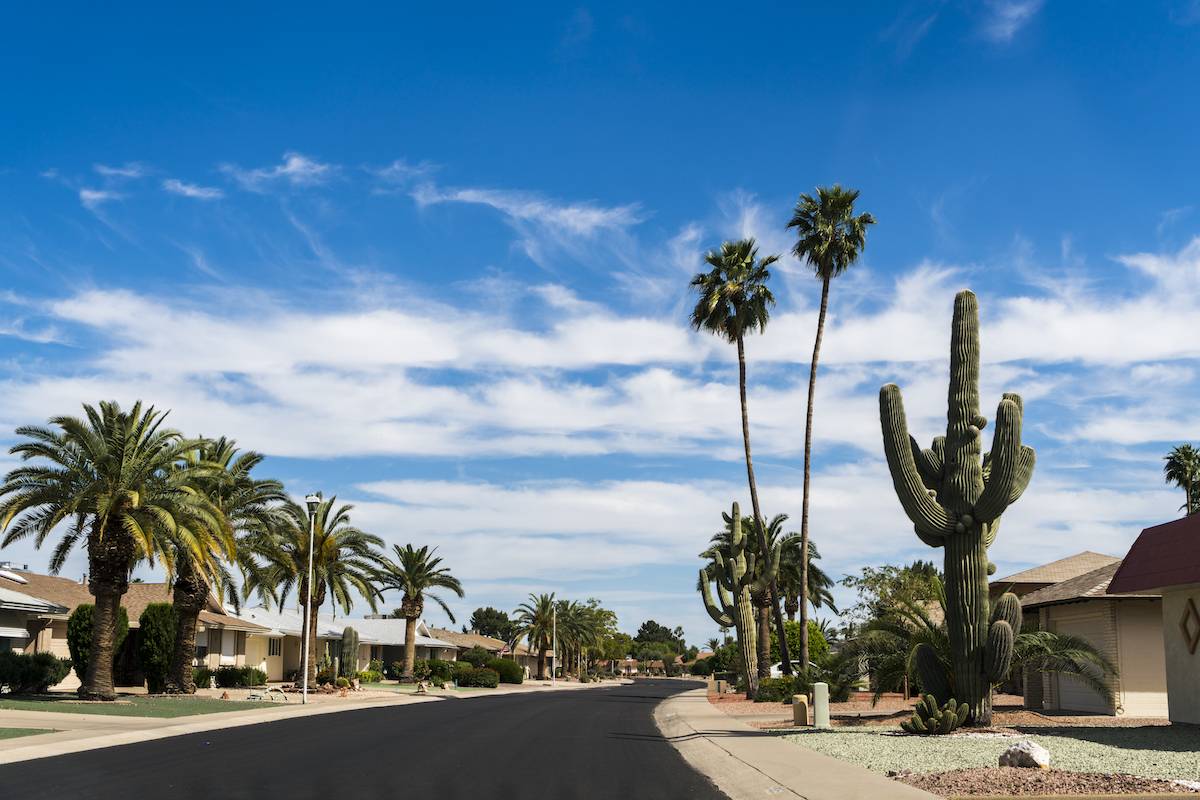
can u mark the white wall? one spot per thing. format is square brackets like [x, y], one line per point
[1143, 678]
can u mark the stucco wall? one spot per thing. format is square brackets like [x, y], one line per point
[1143, 678]
[1183, 667]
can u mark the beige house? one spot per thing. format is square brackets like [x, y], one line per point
[1165, 559]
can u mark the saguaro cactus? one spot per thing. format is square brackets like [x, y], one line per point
[954, 496]
[348, 665]
[733, 570]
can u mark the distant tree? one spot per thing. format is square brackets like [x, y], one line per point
[1182, 467]
[652, 632]
[818, 647]
[490, 622]
[534, 622]
[881, 589]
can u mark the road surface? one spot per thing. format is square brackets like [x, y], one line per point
[586, 744]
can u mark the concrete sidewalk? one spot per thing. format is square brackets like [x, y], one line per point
[74, 733]
[745, 762]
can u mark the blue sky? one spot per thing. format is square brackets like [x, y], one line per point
[437, 263]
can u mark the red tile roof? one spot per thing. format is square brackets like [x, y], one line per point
[1164, 555]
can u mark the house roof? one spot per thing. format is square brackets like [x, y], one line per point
[465, 641]
[19, 601]
[382, 631]
[1061, 570]
[1088, 586]
[1163, 555]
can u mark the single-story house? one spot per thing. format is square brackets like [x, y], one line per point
[220, 638]
[1034, 578]
[21, 613]
[1165, 560]
[521, 653]
[1126, 628]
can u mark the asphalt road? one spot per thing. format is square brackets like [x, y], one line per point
[591, 744]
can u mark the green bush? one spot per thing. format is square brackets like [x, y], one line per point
[342, 683]
[376, 665]
[325, 675]
[462, 673]
[31, 673]
[775, 690]
[156, 644]
[202, 677]
[231, 677]
[700, 667]
[476, 656]
[441, 671]
[370, 676]
[483, 677]
[421, 669]
[508, 670]
[395, 670]
[79, 636]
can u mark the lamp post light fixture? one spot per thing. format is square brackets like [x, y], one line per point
[313, 501]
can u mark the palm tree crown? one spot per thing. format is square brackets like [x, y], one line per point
[829, 235]
[734, 298]
[533, 621]
[415, 571]
[1181, 467]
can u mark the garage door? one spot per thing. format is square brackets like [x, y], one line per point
[1073, 694]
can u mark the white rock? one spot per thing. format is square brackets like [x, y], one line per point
[1026, 753]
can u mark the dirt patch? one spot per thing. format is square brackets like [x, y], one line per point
[1014, 781]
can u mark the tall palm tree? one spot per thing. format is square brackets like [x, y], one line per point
[248, 507]
[534, 621]
[415, 572]
[733, 301]
[820, 585]
[830, 238]
[114, 479]
[345, 561]
[1182, 467]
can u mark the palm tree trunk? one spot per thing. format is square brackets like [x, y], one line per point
[410, 647]
[764, 641]
[541, 664]
[773, 592]
[808, 426]
[98, 683]
[189, 596]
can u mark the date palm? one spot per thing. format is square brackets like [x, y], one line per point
[415, 572]
[1181, 467]
[346, 561]
[533, 621]
[113, 480]
[248, 507]
[734, 300]
[830, 237]
[820, 585]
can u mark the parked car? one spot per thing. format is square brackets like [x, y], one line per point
[777, 668]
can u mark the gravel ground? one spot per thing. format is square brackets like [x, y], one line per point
[1014, 781]
[1170, 752]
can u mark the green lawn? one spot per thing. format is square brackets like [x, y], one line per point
[133, 706]
[12, 733]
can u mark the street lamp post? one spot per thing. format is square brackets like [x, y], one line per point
[553, 645]
[312, 501]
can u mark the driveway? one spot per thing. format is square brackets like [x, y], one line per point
[598, 744]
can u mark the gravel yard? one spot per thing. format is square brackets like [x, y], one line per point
[1016, 782]
[1152, 751]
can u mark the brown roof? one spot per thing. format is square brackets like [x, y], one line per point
[1089, 586]
[1163, 555]
[468, 640]
[1061, 570]
[71, 593]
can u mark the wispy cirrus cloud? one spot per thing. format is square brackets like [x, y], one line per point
[94, 198]
[295, 170]
[1003, 19]
[128, 170]
[192, 190]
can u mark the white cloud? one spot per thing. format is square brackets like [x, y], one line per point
[296, 170]
[128, 170]
[94, 198]
[401, 172]
[193, 190]
[1004, 18]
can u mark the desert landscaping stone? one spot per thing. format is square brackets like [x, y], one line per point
[1025, 753]
[1012, 781]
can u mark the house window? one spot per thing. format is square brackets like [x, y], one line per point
[275, 647]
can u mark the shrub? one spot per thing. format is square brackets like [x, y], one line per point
[325, 675]
[31, 673]
[376, 665]
[342, 682]
[370, 676]
[775, 690]
[484, 678]
[700, 667]
[231, 677]
[508, 670]
[253, 676]
[421, 669]
[395, 670]
[462, 673]
[79, 636]
[156, 644]
[202, 677]
[440, 670]
[476, 656]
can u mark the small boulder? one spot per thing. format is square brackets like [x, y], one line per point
[1026, 753]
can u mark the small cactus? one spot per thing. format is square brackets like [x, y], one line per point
[348, 663]
[930, 720]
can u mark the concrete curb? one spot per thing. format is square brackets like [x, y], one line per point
[746, 762]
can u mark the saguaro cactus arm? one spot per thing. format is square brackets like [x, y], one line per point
[1004, 463]
[931, 520]
[929, 462]
[722, 614]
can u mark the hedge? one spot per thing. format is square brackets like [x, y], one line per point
[480, 676]
[31, 673]
[700, 667]
[509, 670]
[440, 670]
[202, 677]
[230, 677]
[370, 676]
[775, 690]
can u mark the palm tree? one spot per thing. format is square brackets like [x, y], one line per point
[733, 301]
[712, 645]
[414, 572]
[1182, 467]
[889, 646]
[114, 479]
[248, 508]
[345, 560]
[534, 621]
[830, 237]
[820, 585]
